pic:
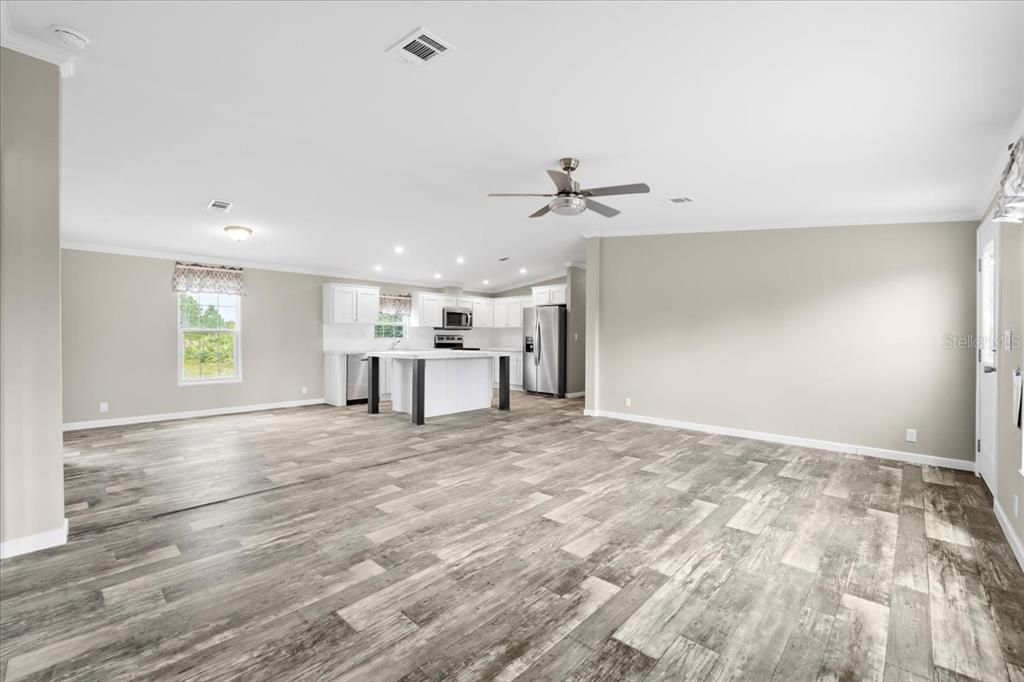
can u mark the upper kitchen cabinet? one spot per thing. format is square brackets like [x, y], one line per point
[549, 295]
[426, 309]
[483, 313]
[350, 304]
[508, 312]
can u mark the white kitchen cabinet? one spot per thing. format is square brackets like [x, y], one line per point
[369, 306]
[385, 378]
[347, 304]
[549, 295]
[464, 302]
[426, 310]
[515, 314]
[500, 313]
[515, 370]
[483, 313]
[508, 312]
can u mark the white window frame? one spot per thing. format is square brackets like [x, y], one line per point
[237, 331]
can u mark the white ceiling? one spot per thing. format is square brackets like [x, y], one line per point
[767, 115]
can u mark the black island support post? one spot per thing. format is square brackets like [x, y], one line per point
[419, 374]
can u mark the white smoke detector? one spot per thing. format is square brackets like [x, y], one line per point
[69, 37]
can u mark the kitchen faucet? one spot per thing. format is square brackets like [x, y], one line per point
[394, 344]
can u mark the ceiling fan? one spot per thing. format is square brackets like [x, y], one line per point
[571, 200]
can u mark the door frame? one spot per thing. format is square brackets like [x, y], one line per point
[979, 375]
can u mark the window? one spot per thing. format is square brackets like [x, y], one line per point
[208, 338]
[390, 326]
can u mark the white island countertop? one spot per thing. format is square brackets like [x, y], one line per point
[435, 354]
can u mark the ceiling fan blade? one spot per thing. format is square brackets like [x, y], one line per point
[538, 213]
[606, 211]
[520, 195]
[561, 180]
[638, 188]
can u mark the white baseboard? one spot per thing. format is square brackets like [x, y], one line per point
[577, 394]
[169, 416]
[1015, 542]
[34, 543]
[847, 448]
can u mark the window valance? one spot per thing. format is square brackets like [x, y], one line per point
[391, 304]
[207, 279]
[1010, 200]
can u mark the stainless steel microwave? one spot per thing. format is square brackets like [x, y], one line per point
[456, 318]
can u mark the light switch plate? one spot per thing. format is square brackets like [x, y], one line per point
[911, 435]
[104, 407]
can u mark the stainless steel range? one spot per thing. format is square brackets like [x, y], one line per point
[450, 342]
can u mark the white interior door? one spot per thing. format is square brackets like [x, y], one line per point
[987, 383]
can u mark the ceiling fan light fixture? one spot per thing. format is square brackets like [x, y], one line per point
[567, 205]
[238, 232]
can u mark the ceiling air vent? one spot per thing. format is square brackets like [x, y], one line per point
[680, 200]
[420, 46]
[220, 205]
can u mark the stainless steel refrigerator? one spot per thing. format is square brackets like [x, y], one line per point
[544, 339]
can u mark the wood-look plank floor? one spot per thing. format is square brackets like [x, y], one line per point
[325, 543]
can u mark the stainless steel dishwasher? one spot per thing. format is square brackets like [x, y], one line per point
[358, 370]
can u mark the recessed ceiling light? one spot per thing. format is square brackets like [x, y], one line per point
[399, 248]
[437, 275]
[522, 271]
[378, 268]
[460, 260]
[487, 281]
[238, 232]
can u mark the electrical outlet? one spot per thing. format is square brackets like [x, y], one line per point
[303, 390]
[629, 402]
[104, 407]
[575, 336]
[911, 435]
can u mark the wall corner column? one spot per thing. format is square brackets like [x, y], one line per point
[593, 377]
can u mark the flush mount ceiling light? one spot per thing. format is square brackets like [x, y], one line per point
[238, 232]
[69, 37]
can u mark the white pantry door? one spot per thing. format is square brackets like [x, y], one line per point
[987, 378]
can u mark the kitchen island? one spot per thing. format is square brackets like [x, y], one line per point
[429, 383]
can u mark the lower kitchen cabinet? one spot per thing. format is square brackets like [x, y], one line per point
[515, 370]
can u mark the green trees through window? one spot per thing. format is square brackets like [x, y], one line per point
[208, 336]
[389, 326]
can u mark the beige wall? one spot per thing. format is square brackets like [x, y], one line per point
[833, 334]
[1009, 481]
[576, 344]
[31, 467]
[120, 339]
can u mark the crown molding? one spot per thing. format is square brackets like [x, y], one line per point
[70, 245]
[13, 40]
